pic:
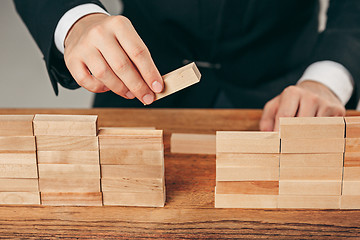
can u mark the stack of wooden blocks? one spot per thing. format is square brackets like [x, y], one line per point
[18, 169]
[132, 167]
[68, 160]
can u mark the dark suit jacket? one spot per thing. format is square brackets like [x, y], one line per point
[261, 46]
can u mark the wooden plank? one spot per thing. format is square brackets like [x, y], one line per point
[352, 159]
[18, 158]
[315, 145]
[352, 127]
[179, 79]
[103, 131]
[123, 156]
[18, 171]
[69, 184]
[248, 159]
[132, 171]
[311, 173]
[143, 142]
[68, 157]
[351, 173]
[19, 198]
[24, 144]
[136, 199]
[65, 125]
[245, 201]
[350, 202]
[132, 185]
[314, 202]
[69, 171]
[231, 173]
[16, 125]
[193, 143]
[71, 199]
[312, 127]
[19, 185]
[248, 187]
[352, 145]
[67, 143]
[311, 160]
[247, 142]
[351, 188]
[305, 187]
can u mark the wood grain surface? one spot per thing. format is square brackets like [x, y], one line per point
[190, 180]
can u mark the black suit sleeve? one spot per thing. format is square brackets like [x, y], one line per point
[41, 18]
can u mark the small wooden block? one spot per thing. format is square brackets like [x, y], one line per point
[312, 127]
[16, 125]
[67, 143]
[68, 157]
[69, 184]
[18, 171]
[19, 185]
[247, 142]
[248, 159]
[245, 201]
[71, 199]
[121, 156]
[65, 125]
[314, 202]
[179, 79]
[20, 198]
[132, 171]
[315, 145]
[352, 145]
[119, 130]
[351, 188]
[193, 143]
[351, 173]
[352, 159]
[352, 127]
[311, 173]
[248, 187]
[147, 199]
[132, 185]
[311, 160]
[350, 202]
[230, 173]
[18, 158]
[25, 144]
[68, 171]
[323, 188]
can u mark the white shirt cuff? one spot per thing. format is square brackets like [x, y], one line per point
[333, 75]
[71, 17]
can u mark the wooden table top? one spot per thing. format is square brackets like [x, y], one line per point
[190, 179]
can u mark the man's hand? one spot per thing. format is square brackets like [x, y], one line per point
[307, 99]
[105, 53]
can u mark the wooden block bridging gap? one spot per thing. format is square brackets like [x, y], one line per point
[312, 127]
[71, 199]
[179, 79]
[247, 142]
[351, 173]
[24, 144]
[193, 143]
[65, 125]
[132, 171]
[16, 125]
[19, 198]
[350, 202]
[67, 143]
[248, 159]
[311, 173]
[315, 145]
[245, 201]
[68, 171]
[352, 159]
[68, 157]
[311, 160]
[352, 127]
[121, 156]
[352, 145]
[147, 199]
[18, 171]
[309, 202]
[69, 184]
[133, 185]
[248, 187]
[305, 187]
[351, 188]
[18, 158]
[230, 173]
[19, 185]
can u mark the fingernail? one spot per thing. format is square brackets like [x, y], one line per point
[148, 99]
[129, 95]
[157, 87]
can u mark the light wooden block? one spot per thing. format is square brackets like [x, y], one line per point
[19, 185]
[312, 127]
[147, 199]
[132, 171]
[65, 125]
[351, 188]
[315, 145]
[248, 187]
[311, 173]
[69, 184]
[352, 159]
[67, 143]
[304, 187]
[314, 202]
[245, 201]
[193, 143]
[16, 125]
[350, 202]
[351, 173]
[248, 159]
[352, 127]
[123, 156]
[68, 171]
[18, 171]
[71, 199]
[230, 173]
[18, 158]
[19, 198]
[119, 130]
[132, 185]
[311, 160]
[179, 79]
[24, 144]
[247, 142]
[68, 157]
[352, 145]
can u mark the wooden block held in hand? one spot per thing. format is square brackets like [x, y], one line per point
[122, 156]
[352, 127]
[248, 187]
[18, 171]
[315, 145]
[71, 199]
[311, 160]
[20, 198]
[16, 125]
[305, 187]
[350, 202]
[351, 173]
[245, 201]
[18, 158]
[132, 185]
[147, 199]
[69, 184]
[352, 145]
[68, 171]
[19, 185]
[352, 159]
[351, 188]
[311, 173]
[25, 144]
[314, 202]
[68, 157]
[193, 143]
[67, 143]
[248, 159]
[230, 173]
[132, 171]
